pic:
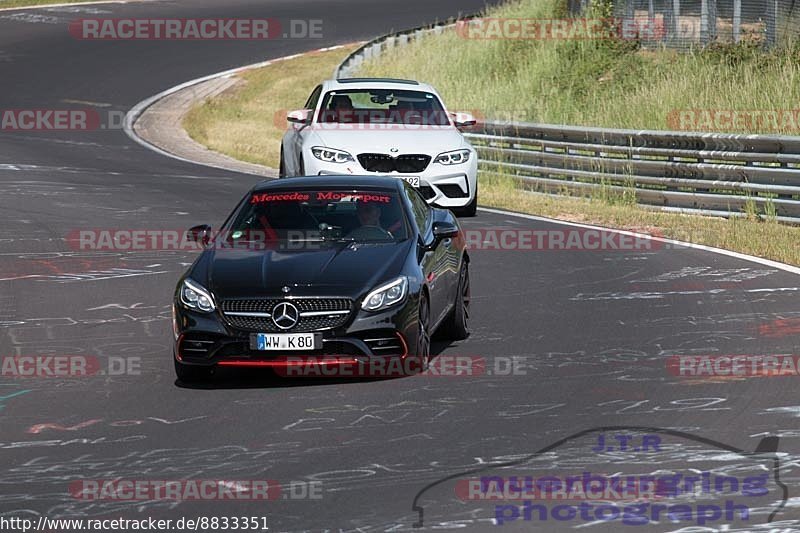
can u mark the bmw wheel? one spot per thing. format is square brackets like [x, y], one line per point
[282, 168]
[469, 210]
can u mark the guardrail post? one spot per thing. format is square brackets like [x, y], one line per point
[673, 20]
[704, 21]
[737, 20]
[712, 19]
[708, 21]
[629, 10]
[772, 22]
[628, 28]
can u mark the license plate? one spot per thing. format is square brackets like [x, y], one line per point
[411, 180]
[268, 342]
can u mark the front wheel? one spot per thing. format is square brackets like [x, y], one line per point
[457, 325]
[469, 210]
[424, 336]
[282, 167]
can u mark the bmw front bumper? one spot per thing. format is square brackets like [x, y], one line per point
[448, 186]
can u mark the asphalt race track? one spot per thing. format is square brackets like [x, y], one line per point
[590, 332]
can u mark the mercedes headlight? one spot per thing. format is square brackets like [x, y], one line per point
[331, 155]
[194, 296]
[386, 295]
[456, 157]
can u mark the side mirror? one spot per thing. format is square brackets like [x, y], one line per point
[299, 116]
[444, 230]
[200, 234]
[464, 120]
[441, 230]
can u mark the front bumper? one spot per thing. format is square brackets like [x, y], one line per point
[209, 340]
[448, 186]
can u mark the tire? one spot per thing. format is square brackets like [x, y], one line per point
[469, 210]
[190, 373]
[424, 335]
[456, 327]
[282, 167]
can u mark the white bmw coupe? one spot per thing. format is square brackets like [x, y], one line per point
[387, 127]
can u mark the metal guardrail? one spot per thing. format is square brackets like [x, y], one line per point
[703, 173]
[375, 47]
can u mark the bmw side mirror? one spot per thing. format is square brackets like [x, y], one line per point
[464, 120]
[200, 234]
[299, 116]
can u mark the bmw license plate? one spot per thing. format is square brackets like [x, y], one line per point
[267, 342]
[411, 180]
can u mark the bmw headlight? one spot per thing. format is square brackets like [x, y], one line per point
[194, 296]
[386, 295]
[456, 157]
[331, 155]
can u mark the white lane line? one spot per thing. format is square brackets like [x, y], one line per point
[138, 109]
[86, 102]
[78, 4]
[744, 257]
[141, 107]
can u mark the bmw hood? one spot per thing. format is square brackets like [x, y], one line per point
[431, 140]
[337, 270]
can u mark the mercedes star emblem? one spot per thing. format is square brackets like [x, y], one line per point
[285, 315]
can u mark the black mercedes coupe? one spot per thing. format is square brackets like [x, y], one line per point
[323, 271]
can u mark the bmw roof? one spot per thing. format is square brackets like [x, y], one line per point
[376, 83]
[376, 80]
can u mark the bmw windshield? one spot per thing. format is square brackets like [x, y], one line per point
[318, 216]
[383, 106]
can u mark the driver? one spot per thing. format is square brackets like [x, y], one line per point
[342, 108]
[369, 216]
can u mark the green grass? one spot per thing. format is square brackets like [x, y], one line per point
[242, 124]
[249, 121]
[752, 235]
[606, 83]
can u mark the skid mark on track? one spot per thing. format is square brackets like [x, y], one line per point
[33, 18]
[781, 327]
[653, 295]
[706, 274]
[100, 275]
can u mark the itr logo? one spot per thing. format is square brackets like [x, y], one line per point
[627, 442]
